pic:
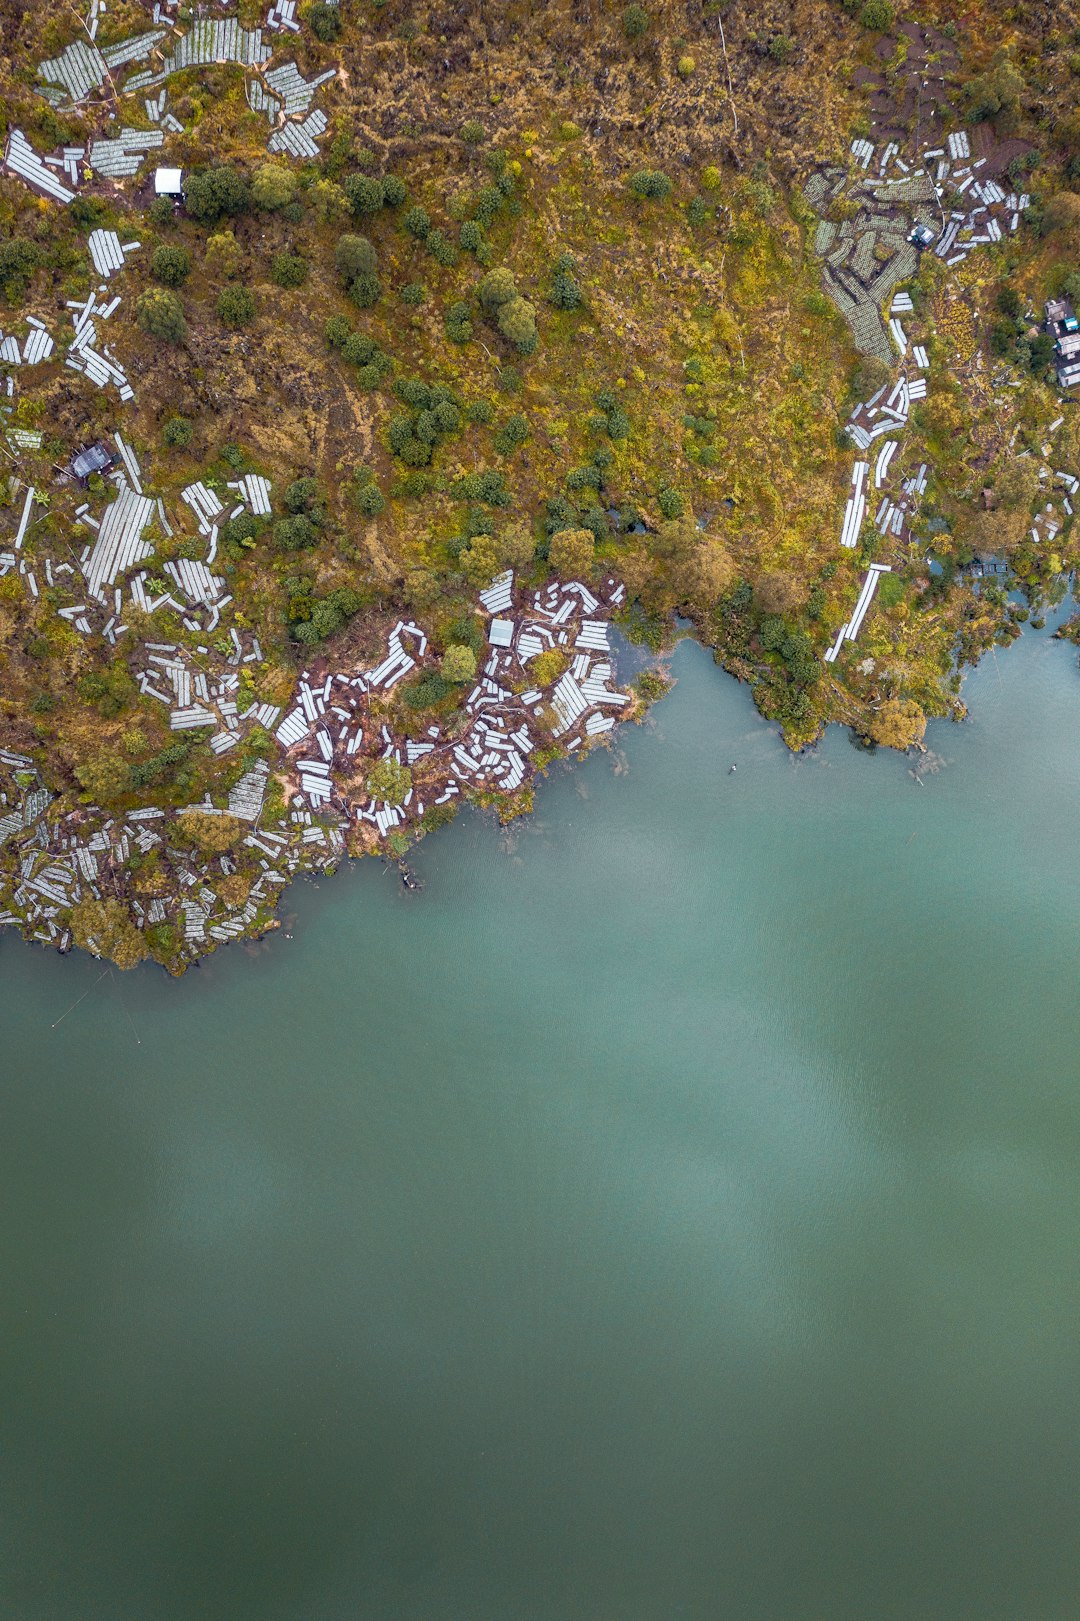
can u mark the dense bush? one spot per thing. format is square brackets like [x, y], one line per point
[565, 291]
[288, 270]
[389, 781]
[459, 664]
[458, 325]
[177, 432]
[170, 264]
[19, 258]
[272, 187]
[417, 222]
[365, 194]
[354, 256]
[512, 434]
[236, 306]
[472, 132]
[651, 183]
[224, 254]
[160, 313]
[878, 15]
[365, 291]
[635, 20]
[394, 192]
[212, 193]
[325, 21]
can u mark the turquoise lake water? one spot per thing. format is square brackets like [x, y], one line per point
[671, 1214]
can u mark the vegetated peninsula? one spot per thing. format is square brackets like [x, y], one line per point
[361, 365]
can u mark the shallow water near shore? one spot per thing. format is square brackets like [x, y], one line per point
[671, 1212]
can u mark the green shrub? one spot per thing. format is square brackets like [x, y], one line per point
[471, 235]
[389, 781]
[393, 190]
[781, 47]
[211, 193]
[650, 183]
[288, 270]
[517, 323]
[325, 21]
[272, 187]
[169, 264]
[481, 411]
[177, 432]
[697, 212]
[295, 534]
[441, 248]
[512, 434]
[224, 254]
[236, 306]
[365, 291]
[417, 222]
[354, 256]
[413, 293]
[670, 502]
[337, 331]
[498, 287]
[565, 291]
[457, 323]
[459, 664]
[635, 20]
[472, 132]
[160, 313]
[878, 15]
[365, 195]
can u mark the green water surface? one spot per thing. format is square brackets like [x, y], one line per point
[671, 1214]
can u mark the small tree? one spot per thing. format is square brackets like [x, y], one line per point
[160, 313]
[288, 270]
[650, 183]
[417, 222]
[897, 724]
[571, 553]
[365, 291]
[565, 290]
[459, 664]
[389, 781]
[365, 193]
[236, 306]
[516, 546]
[214, 192]
[354, 256]
[878, 15]
[177, 432]
[170, 265]
[224, 254]
[325, 21]
[272, 187]
[496, 288]
[517, 323]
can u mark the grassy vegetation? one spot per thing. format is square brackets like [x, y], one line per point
[547, 298]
